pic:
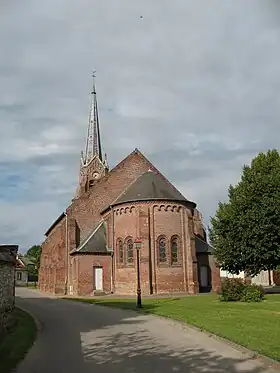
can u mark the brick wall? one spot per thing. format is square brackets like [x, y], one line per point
[7, 285]
[52, 272]
[149, 222]
[83, 273]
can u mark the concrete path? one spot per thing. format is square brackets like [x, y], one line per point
[82, 338]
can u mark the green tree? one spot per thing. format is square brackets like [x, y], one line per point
[245, 232]
[34, 256]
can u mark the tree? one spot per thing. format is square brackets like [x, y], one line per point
[34, 256]
[245, 232]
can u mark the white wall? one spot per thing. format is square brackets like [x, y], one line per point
[21, 277]
[260, 279]
[230, 275]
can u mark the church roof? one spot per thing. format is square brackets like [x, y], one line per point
[61, 216]
[202, 246]
[150, 186]
[96, 243]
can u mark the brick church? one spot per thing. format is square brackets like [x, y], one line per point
[90, 248]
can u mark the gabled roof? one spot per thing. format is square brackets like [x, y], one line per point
[61, 216]
[202, 246]
[24, 261]
[150, 186]
[96, 241]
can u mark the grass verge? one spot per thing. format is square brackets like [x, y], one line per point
[252, 325]
[15, 345]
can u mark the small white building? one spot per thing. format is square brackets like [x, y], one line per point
[21, 272]
[263, 278]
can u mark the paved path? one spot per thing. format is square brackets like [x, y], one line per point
[82, 338]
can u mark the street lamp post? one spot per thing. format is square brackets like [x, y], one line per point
[137, 246]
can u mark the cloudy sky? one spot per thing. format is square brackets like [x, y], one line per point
[195, 85]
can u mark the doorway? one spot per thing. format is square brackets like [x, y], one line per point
[204, 278]
[98, 278]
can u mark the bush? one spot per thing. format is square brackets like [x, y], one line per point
[232, 289]
[253, 293]
[237, 290]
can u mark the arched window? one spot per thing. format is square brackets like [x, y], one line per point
[129, 251]
[90, 184]
[174, 244]
[162, 249]
[120, 250]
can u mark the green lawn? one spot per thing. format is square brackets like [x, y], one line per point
[253, 325]
[15, 345]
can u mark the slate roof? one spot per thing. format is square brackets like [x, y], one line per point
[96, 241]
[25, 261]
[202, 246]
[150, 186]
[8, 253]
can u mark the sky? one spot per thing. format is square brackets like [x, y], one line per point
[194, 85]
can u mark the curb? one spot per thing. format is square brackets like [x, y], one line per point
[38, 324]
[39, 328]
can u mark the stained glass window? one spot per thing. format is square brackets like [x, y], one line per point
[174, 250]
[120, 250]
[162, 249]
[129, 250]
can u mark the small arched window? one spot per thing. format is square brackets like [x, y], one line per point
[174, 244]
[90, 184]
[129, 251]
[120, 250]
[162, 249]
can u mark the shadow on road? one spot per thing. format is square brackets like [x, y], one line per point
[78, 337]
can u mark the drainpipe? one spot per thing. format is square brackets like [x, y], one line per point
[113, 250]
[184, 238]
[150, 252]
[66, 255]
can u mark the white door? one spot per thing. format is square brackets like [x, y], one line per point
[98, 278]
[203, 276]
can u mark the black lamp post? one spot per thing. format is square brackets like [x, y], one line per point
[137, 246]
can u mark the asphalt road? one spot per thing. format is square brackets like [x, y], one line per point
[82, 338]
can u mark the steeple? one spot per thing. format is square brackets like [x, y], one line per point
[93, 167]
[93, 141]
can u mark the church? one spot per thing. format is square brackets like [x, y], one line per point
[91, 247]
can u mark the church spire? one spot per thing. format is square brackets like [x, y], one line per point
[93, 142]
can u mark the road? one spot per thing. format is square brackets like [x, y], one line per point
[82, 338]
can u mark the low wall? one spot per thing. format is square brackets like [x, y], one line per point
[7, 285]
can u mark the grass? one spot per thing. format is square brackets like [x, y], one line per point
[252, 325]
[15, 345]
